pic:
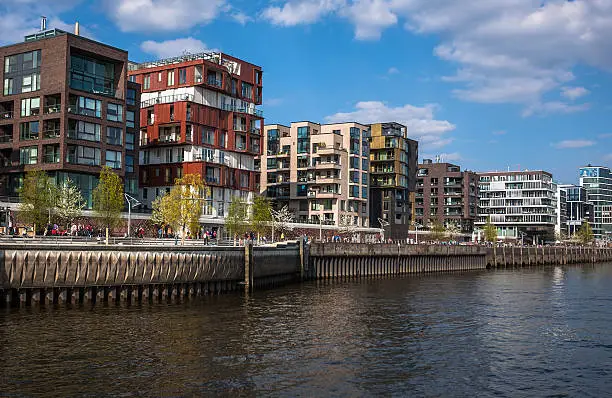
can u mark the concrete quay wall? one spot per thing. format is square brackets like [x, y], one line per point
[500, 257]
[42, 274]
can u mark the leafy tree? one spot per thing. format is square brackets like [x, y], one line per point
[237, 220]
[69, 203]
[261, 219]
[181, 208]
[37, 198]
[585, 234]
[490, 231]
[108, 199]
[453, 230]
[283, 220]
[437, 231]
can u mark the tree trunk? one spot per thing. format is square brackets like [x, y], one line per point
[33, 232]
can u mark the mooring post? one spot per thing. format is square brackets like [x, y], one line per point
[301, 259]
[249, 267]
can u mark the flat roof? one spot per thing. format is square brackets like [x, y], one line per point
[53, 33]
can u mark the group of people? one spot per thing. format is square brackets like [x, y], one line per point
[75, 230]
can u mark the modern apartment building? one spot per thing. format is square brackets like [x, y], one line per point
[320, 171]
[521, 204]
[597, 181]
[393, 164]
[198, 115]
[577, 208]
[62, 109]
[447, 195]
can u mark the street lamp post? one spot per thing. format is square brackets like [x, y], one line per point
[416, 230]
[132, 202]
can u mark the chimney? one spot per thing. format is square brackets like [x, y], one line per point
[43, 23]
[76, 28]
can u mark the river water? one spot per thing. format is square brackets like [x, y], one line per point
[529, 332]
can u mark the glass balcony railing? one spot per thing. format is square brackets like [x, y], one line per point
[51, 158]
[4, 139]
[242, 109]
[52, 133]
[92, 84]
[213, 81]
[6, 115]
[166, 99]
[52, 109]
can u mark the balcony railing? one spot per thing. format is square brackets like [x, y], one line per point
[167, 99]
[6, 115]
[212, 180]
[213, 81]
[242, 109]
[51, 158]
[53, 133]
[48, 109]
[4, 139]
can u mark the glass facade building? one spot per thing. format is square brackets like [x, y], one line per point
[597, 181]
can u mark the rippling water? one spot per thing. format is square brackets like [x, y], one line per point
[531, 332]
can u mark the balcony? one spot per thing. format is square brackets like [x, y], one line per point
[327, 165]
[51, 158]
[55, 133]
[167, 99]
[251, 111]
[7, 115]
[169, 139]
[50, 109]
[213, 81]
[212, 180]
[6, 139]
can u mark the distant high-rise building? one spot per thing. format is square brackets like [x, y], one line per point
[597, 181]
[63, 110]
[447, 195]
[393, 158]
[321, 172]
[521, 204]
[578, 208]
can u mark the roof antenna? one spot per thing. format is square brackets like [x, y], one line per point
[43, 23]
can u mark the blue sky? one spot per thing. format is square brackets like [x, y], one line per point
[489, 85]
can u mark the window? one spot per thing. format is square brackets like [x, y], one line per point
[81, 130]
[364, 164]
[168, 175]
[28, 131]
[364, 178]
[355, 177]
[30, 83]
[208, 136]
[21, 72]
[83, 155]
[113, 159]
[355, 132]
[364, 193]
[114, 135]
[223, 140]
[129, 163]
[129, 141]
[92, 75]
[159, 76]
[130, 98]
[85, 106]
[8, 86]
[182, 76]
[146, 82]
[247, 90]
[129, 119]
[170, 78]
[354, 162]
[30, 106]
[28, 155]
[354, 191]
[114, 112]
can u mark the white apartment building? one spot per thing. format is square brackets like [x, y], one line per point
[521, 204]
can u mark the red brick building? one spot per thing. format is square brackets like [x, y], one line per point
[63, 110]
[198, 115]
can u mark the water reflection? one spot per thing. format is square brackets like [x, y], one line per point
[529, 332]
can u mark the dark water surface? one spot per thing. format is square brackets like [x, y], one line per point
[533, 332]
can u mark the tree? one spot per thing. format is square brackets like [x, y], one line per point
[261, 219]
[585, 234]
[181, 208]
[453, 230]
[237, 220]
[282, 220]
[108, 199]
[37, 198]
[438, 232]
[69, 203]
[490, 231]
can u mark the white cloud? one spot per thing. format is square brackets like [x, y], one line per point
[173, 48]
[444, 157]
[573, 144]
[554, 107]
[606, 135]
[163, 15]
[420, 121]
[573, 93]
[499, 132]
[506, 51]
[241, 18]
[393, 71]
[300, 12]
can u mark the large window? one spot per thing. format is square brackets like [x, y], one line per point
[28, 131]
[92, 75]
[80, 130]
[182, 76]
[28, 155]
[114, 135]
[129, 163]
[85, 106]
[113, 159]
[129, 119]
[30, 106]
[247, 90]
[129, 141]
[170, 78]
[22, 73]
[208, 136]
[146, 82]
[130, 98]
[84, 155]
[114, 112]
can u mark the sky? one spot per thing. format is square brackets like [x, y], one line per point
[489, 85]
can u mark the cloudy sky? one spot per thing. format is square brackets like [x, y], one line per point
[490, 85]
